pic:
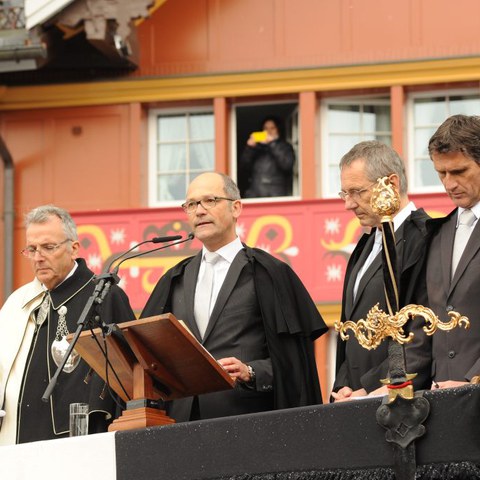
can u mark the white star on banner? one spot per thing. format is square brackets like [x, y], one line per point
[94, 261]
[117, 236]
[334, 273]
[332, 225]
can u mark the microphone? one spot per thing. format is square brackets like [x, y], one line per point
[170, 238]
[190, 236]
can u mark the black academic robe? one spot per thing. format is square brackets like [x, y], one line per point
[39, 420]
[291, 321]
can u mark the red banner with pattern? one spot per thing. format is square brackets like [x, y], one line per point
[315, 237]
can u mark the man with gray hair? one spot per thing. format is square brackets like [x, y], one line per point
[359, 371]
[34, 323]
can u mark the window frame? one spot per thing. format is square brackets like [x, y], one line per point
[377, 99]
[413, 187]
[152, 171]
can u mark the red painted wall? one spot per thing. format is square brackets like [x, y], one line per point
[206, 36]
[79, 159]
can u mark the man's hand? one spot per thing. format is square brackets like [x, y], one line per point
[343, 394]
[379, 391]
[346, 393]
[235, 368]
[448, 384]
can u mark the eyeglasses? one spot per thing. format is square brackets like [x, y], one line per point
[355, 194]
[45, 250]
[206, 203]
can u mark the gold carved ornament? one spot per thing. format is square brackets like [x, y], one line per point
[379, 325]
[385, 201]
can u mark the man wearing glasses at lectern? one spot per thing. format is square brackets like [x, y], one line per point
[248, 309]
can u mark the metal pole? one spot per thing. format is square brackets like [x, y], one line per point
[8, 217]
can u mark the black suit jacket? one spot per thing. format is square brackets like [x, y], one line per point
[456, 354]
[360, 368]
[263, 316]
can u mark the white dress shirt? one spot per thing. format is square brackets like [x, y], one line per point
[220, 269]
[398, 219]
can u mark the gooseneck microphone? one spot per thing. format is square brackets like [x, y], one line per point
[190, 236]
[170, 238]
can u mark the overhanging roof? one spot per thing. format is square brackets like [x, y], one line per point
[39, 11]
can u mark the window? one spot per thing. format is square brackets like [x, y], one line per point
[428, 111]
[349, 121]
[182, 145]
[261, 170]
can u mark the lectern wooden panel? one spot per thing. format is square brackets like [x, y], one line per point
[180, 354]
[152, 358]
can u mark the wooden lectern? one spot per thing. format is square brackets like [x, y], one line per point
[150, 359]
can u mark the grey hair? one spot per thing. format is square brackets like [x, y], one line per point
[43, 214]
[230, 187]
[381, 160]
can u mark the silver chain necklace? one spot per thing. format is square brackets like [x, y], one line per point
[60, 345]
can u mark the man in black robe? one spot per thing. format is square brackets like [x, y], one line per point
[359, 371]
[34, 322]
[261, 321]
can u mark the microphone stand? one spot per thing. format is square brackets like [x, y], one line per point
[104, 282]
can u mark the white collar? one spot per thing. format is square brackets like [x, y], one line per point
[229, 251]
[475, 209]
[403, 214]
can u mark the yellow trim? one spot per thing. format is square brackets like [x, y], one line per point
[239, 84]
[157, 4]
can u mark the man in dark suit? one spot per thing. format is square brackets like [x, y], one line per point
[359, 371]
[453, 267]
[257, 320]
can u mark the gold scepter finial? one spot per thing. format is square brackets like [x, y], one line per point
[385, 200]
